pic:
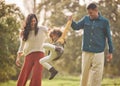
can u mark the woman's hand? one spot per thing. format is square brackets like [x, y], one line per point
[18, 59]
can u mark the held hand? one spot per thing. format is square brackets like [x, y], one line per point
[109, 57]
[70, 18]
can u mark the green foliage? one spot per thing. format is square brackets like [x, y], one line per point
[111, 10]
[57, 9]
[9, 24]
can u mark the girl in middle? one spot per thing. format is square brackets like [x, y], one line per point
[56, 48]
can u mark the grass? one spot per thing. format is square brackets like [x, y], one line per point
[67, 81]
[62, 81]
[111, 82]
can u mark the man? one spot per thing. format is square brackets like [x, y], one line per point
[96, 33]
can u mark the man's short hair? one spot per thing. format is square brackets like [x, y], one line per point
[92, 6]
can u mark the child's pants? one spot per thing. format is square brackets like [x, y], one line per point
[31, 63]
[53, 54]
[92, 68]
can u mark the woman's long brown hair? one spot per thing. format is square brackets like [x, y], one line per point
[27, 26]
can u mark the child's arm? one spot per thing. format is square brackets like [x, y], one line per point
[62, 38]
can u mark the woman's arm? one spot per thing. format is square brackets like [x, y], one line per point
[20, 50]
[22, 43]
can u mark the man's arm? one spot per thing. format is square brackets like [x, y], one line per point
[109, 37]
[78, 25]
[109, 40]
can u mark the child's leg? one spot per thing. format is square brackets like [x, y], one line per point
[52, 55]
[44, 61]
[49, 46]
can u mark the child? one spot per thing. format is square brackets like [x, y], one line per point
[55, 49]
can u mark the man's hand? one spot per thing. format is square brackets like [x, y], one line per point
[109, 57]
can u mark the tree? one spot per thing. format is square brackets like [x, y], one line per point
[10, 17]
[55, 11]
[111, 10]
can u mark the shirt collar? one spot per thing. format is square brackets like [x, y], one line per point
[99, 17]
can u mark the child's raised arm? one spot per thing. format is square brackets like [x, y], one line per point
[62, 38]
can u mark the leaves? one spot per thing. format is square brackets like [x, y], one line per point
[10, 17]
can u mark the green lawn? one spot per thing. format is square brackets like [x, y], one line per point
[67, 81]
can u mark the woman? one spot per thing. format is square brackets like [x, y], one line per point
[32, 39]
